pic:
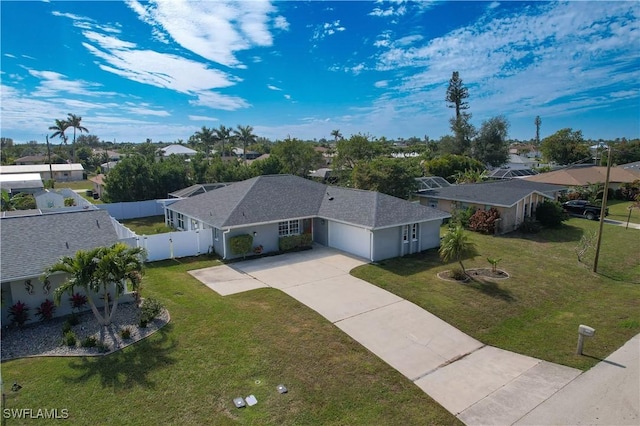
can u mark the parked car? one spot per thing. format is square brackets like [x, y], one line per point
[583, 208]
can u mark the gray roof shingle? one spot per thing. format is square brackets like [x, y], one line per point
[274, 198]
[30, 244]
[501, 193]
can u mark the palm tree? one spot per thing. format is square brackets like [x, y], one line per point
[96, 271]
[336, 134]
[74, 121]
[455, 245]
[222, 134]
[206, 137]
[245, 135]
[59, 128]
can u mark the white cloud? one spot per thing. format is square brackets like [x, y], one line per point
[218, 101]
[287, 97]
[272, 87]
[53, 84]
[381, 83]
[327, 29]
[215, 30]
[524, 61]
[9, 55]
[280, 22]
[202, 118]
[493, 5]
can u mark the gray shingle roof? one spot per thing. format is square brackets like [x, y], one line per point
[29, 244]
[502, 193]
[280, 197]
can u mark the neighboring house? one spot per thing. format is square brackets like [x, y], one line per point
[365, 223]
[98, 184]
[30, 244]
[197, 189]
[35, 159]
[259, 158]
[61, 172]
[515, 200]
[111, 155]
[176, 149]
[506, 173]
[29, 183]
[251, 155]
[632, 167]
[108, 166]
[518, 162]
[583, 176]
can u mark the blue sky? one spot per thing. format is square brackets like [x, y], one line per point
[163, 69]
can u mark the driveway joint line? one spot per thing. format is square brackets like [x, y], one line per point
[448, 362]
[370, 310]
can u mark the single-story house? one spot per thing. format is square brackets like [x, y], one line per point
[35, 159]
[507, 173]
[30, 244]
[631, 167]
[176, 149]
[61, 172]
[583, 176]
[199, 188]
[29, 183]
[365, 223]
[98, 184]
[515, 200]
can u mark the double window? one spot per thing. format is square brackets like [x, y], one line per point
[180, 221]
[288, 227]
[414, 233]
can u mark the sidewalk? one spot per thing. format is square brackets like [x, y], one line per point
[608, 394]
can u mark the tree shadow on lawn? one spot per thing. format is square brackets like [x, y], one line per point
[416, 263]
[491, 288]
[128, 367]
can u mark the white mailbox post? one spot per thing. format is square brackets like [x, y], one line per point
[583, 331]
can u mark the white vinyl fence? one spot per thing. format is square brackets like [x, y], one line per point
[136, 209]
[174, 244]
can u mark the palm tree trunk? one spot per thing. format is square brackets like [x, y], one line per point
[464, 271]
[113, 309]
[95, 311]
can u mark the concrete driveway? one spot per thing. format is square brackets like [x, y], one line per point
[478, 383]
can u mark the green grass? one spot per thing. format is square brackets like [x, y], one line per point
[147, 225]
[217, 348]
[619, 210]
[537, 311]
[77, 184]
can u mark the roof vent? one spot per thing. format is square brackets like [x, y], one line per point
[67, 244]
[97, 223]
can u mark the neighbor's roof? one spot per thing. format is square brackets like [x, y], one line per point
[30, 244]
[581, 176]
[178, 150]
[631, 167]
[20, 181]
[504, 193]
[39, 168]
[273, 198]
[200, 188]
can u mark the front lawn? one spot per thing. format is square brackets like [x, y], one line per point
[537, 311]
[619, 210]
[217, 348]
[147, 225]
[76, 184]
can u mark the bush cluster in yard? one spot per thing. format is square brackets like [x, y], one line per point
[241, 244]
[484, 221]
[149, 310]
[550, 214]
[293, 242]
[45, 310]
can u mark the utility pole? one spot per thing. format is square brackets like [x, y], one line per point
[49, 154]
[603, 209]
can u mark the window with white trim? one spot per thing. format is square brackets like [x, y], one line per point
[180, 221]
[414, 232]
[288, 227]
[405, 233]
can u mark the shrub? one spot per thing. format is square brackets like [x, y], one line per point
[462, 216]
[458, 275]
[74, 319]
[484, 221]
[45, 310]
[69, 338]
[149, 310]
[69, 202]
[125, 333]
[78, 301]
[530, 227]
[66, 327]
[89, 342]
[550, 214]
[293, 242]
[19, 313]
[241, 244]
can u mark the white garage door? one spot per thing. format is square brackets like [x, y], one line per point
[350, 239]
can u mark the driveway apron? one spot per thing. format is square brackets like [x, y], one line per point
[480, 384]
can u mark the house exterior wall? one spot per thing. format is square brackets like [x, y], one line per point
[15, 291]
[386, 243]
[430, 234]
[321, 231]
[266, 236]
